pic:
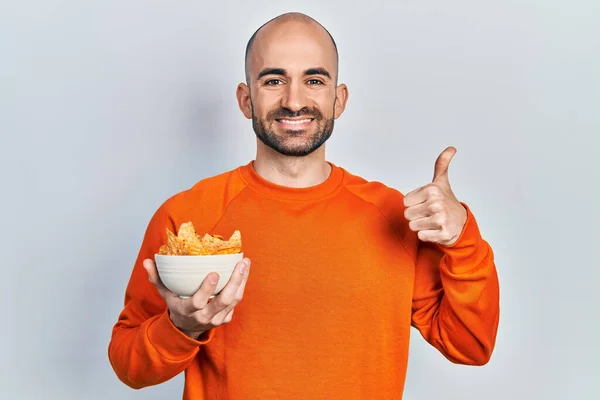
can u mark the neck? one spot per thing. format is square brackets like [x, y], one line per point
[299, 172]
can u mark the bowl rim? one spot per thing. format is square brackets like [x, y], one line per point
[173, 257]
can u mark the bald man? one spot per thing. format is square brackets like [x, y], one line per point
[342, 268]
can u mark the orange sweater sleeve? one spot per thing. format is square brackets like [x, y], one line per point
[456, 296]
[146, 348]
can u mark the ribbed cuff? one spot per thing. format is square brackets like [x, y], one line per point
[469, 250]
[170, 342]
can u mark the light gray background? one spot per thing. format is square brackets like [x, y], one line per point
[109, 107]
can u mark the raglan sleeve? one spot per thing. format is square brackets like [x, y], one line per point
[455, 302]
[145, 347]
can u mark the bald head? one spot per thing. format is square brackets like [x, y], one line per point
[281, 25]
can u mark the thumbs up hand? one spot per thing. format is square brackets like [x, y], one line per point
[432, 210]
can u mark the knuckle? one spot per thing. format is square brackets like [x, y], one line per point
[436, 207]
[239, 297]
[412, 226]
[226, 300]
[221, 301]
[433, 191]
[197, 304]
[217, 302]
[203, 319]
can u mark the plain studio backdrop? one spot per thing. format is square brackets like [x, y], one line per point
[107, 108]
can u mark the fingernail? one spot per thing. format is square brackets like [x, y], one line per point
[213, 279]
[244, 266]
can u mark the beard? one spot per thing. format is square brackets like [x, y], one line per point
[294, 143]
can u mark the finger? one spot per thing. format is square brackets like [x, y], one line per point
[240, 292]
[200, 299]
[222, 317]
[423, 224]
[153, 277]
[229, 295]
[417, 211]
[432, 206]
[229, 317]
[415, 197]
[432, 236]
[440, 171]
[427, 193]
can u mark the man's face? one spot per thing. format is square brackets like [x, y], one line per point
[292, 73]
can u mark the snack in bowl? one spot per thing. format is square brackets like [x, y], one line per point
[187, 258]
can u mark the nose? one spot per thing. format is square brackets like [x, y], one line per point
[294, 97]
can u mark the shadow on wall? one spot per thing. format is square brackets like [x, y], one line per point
[120, 225]
[205, 134]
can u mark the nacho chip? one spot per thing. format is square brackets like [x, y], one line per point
[187, 232]
[177, 246]
[231, 246]
[164, 250]
[188, 242]
[191, 239]
[196, 248]
[232, 250]
[236, 239]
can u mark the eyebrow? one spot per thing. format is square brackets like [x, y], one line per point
[281, 71]
[317, 71]
[270, 71]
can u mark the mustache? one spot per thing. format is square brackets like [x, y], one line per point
[287, 113]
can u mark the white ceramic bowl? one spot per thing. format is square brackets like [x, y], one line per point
[183, 275]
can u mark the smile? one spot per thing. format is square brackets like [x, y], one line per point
[295, 123]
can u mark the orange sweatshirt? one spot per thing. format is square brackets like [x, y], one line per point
[337, 280]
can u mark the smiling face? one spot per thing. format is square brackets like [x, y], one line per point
[291, 95]
[293, 124]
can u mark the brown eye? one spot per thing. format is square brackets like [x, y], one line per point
[315, 82]
[273, 82]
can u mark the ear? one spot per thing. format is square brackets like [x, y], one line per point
[341, 97]
[244, 101]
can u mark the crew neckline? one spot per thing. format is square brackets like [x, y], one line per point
[311, 193]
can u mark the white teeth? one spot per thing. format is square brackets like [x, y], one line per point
[302, 121]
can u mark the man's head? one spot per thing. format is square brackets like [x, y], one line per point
[298, 17]
[291, 91]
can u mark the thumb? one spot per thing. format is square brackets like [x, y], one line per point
[153, 277]
[441, 164]
[150, 268]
